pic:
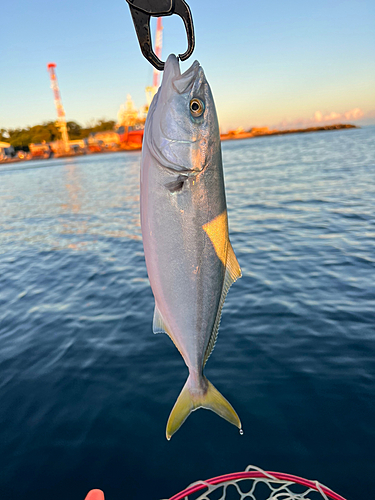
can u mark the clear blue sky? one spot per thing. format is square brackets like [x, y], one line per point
[269, 62]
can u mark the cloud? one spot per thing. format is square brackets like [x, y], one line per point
[354, 114]
[324, 119]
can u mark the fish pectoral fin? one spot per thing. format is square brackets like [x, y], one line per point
[190, 399]
[158, 324]
[176, 184]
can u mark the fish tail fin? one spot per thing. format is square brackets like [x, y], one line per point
[193, 397]
[181, 410]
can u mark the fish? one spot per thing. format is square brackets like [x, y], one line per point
[189, 258]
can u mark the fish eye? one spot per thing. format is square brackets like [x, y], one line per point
[196, 107]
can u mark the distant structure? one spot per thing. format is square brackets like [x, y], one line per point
[151, 91]
[6, 150]
[61, 121]
[127, 115]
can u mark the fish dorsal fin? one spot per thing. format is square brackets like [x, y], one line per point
[232, 273]
[158, 324]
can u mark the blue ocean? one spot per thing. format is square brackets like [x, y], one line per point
[86, 388]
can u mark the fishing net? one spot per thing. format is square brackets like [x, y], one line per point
[257, 484]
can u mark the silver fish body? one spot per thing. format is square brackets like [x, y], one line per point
[189, 258]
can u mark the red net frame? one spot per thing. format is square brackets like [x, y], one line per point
[255, 474]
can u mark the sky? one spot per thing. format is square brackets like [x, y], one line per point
[277, 64]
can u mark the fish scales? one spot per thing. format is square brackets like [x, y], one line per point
[189, 258]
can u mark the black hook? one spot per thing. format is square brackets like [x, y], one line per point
[142, 10]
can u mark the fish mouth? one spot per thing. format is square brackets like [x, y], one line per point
[172, 74]
[172, 67]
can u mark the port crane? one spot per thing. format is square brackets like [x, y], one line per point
[61, 120]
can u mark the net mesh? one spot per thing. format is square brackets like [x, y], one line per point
[257, 484]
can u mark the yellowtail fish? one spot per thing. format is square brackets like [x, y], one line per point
[189, 258]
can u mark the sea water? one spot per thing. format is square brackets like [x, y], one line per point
[86, 388]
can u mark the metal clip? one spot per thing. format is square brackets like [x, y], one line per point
[142, 10]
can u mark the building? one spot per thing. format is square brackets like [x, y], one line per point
[6, 150]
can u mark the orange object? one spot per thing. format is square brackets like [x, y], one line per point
[95, 495]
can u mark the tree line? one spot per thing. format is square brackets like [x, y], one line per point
[48, 132]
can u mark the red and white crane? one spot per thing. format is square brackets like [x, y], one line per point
[61, 120]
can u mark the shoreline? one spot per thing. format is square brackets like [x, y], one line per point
[68, 155]
[229, 136]
[264, 131]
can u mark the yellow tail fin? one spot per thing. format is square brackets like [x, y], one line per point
[191, 398]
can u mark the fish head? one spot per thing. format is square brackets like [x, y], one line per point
[182, 126]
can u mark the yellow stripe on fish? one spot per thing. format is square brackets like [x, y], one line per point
[217, 231]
